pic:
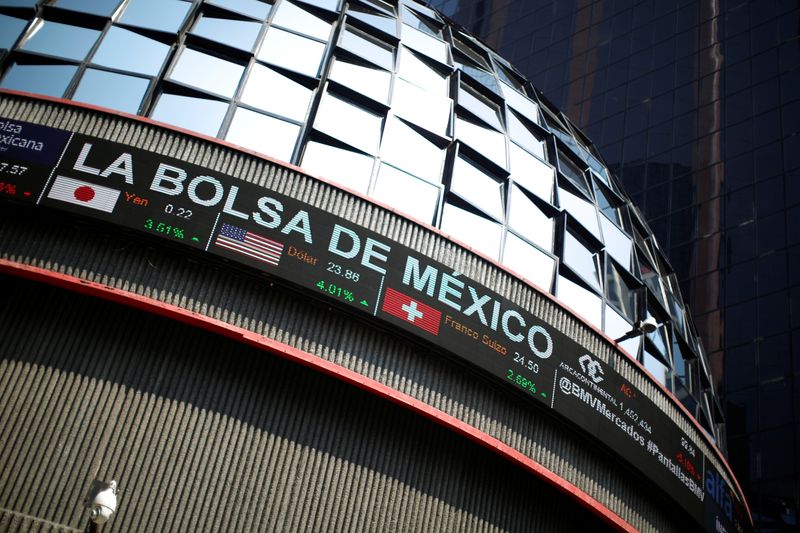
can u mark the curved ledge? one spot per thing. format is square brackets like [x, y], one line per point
[328, 368]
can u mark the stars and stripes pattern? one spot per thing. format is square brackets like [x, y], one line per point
[249, 244]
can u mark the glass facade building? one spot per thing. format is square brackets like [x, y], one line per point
[391, 101]
[694, 104]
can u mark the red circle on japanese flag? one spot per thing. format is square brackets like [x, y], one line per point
[84, 193]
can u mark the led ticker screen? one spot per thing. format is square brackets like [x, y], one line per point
[339, 261]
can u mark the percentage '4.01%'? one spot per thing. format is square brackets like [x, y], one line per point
[166, 229]
[337, 291]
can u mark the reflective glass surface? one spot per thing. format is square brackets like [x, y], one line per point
[348, 168]
[581, 260]
[527, 220]
[489, 142]
[207, 73]
[584, 211]
[424, 43]
[481, 233]
[583, 301]
[385, 24]
[127, 50]
[104, 8]
[521, 104]
[367, 47]
[619, 293]
[413, 69]
[478, 188]
[263, 134]
[203, 115]
[410, 194]
[399, 140]
[109, 89]
[163, 15]
[51, 80]
[291, 51]
[271, 91]
[479, 106]
[421, 107]
[60, 40]
[532, 174]
[10, 30]
[349, 123]
[239, 34]
[371, 82]
[530, 262]
[410, 17]
[292, 17]
[618, 244]
[522, 135]
[251, 8]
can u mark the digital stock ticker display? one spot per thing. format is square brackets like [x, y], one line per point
[372, 275]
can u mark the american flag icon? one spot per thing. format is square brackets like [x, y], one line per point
[249, 244]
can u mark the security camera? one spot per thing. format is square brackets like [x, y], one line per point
[102, 501]
[648, 325]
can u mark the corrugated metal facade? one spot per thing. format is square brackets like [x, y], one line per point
[205, 434]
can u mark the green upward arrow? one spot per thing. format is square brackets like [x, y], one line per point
[364, 303]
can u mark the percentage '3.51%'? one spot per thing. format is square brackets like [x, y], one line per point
[166, 229]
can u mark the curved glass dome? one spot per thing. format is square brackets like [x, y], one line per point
[389, 99]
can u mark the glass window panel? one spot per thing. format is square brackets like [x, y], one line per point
[477, 188]
[104, 8]
[419, 22]
[657, 369]
[207, 73]
[615, 325]
[423, 11]
[523, 136]
[416, 71]
[424, 43]
[368, 48]
[470, 52]
[251, 8]
[385, 24]
[522, 104]
[10, 30]
[573, 173]
[51, 80]
[581, 260]
[473, 230]
[371, 82]
[659, 341]
[619, 294]
[351, 169]
[424, 109]
[487, 141]
[529, 262]
[583, 211]
[480, 75]
[534, 175]
[349, 123]
[18, 3]
[400, 140]
[273, 92]
[264, 134]
[618, 244]
[583, 302]
[479, 106]
[292, 52]
[126, 50]
[109, 89]
[405, 192]
[508, 79]
[528, 220]
[327, 5]
[60, 40]
[294, 18]
[606, 206]
[163, 15]
[202, 115]
[239, 34]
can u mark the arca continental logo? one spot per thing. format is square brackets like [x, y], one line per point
[591, 368]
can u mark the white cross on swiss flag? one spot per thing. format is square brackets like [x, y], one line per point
[412, 311]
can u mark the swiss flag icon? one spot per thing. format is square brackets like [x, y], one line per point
[412, 311]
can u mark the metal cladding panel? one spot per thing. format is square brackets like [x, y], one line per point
[205, 434]
[187, 281]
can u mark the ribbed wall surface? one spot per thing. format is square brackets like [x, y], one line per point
[161, 409]
[207, 435]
